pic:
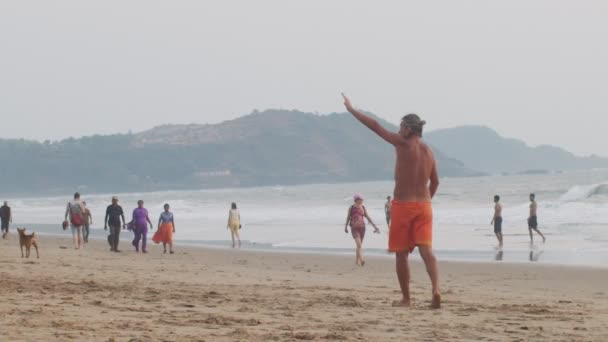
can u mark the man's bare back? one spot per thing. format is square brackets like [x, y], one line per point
[416, 178]
[414, 170]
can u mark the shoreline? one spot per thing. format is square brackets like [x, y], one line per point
[541, 254]
[220, 294]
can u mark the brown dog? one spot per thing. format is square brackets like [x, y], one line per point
[28, 241]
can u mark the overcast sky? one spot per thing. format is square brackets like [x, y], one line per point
[534, 70]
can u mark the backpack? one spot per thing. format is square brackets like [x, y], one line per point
[75, 218]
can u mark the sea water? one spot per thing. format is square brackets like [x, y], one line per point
[572, 213]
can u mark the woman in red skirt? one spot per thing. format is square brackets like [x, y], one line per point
[166, 228]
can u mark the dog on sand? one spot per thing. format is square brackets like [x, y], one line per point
[28, 241]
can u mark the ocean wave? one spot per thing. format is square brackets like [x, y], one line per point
[583, 192]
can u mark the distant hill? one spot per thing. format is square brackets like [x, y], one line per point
[264, 148]
[483, 149]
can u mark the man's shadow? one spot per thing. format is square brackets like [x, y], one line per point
[499, 255]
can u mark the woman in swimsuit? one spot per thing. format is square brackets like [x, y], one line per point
[356, 215]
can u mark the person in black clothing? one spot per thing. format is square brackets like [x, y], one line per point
[114, 214]
[6, 217]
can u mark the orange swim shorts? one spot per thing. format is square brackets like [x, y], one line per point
[411, 226]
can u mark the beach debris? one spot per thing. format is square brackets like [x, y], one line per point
[335, 337]
[304, 336]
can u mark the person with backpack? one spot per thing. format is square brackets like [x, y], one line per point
[356, 218]
[75, 210]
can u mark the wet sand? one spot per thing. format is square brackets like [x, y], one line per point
[201, 294]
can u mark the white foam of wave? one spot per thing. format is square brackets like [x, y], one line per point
[583, 192]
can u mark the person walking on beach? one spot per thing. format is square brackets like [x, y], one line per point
[114, 214]
[6, 217]
[356, 218]
[88, 221]
[234, 223]
[533, 220]
[497, 219]
[75, 211]
[166, 229]
[141, 221]
[416, 182]
[387, 210]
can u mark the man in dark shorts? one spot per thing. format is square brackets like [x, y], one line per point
[88, 221]
[497, 219]
[6, 218]
[114, 214]
[387, 210]
[533, 220]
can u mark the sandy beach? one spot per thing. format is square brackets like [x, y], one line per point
[201, 294]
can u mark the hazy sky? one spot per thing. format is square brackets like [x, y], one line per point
[534, 70]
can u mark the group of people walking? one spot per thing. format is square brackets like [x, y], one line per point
[79, 218]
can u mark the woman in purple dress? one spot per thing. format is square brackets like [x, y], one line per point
[140, 222]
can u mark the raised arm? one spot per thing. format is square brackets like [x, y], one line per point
[372, 124]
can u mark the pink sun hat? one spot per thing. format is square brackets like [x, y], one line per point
[358, 197]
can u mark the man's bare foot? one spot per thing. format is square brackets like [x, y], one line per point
[401, 303]
[436, 302]
[544, 239]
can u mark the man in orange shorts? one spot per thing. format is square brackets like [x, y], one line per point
[416, 182]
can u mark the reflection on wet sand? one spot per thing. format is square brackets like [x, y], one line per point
[535, 255]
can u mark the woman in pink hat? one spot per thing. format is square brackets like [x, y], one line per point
[356, 215]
